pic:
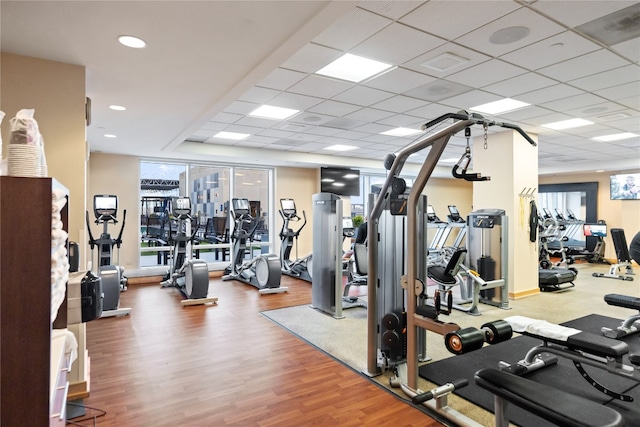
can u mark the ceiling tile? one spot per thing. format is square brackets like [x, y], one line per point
[520, 84]
[352, 29]
[566, 11]
[281, 79]
[399, 104]
[369, 115]
[259, 95]
[470, 99]
[390, 9]
[437, 90]
[311, 58]
[399, 80]
[361, 95]
[319, 86]
[397, 44]
[539, 28]
[621, 91]
[552, 50]
[399, 120]
[582, 66]
[313, 119]
[334, 108]
[550, 93]
[295, 101]
[487, 73]
[461, 16]
[629, 49]
[626, 74]
[572, 103]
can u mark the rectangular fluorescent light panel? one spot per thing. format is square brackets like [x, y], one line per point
[567, 124]
[401, 132]
[339, 147]
[615, 137]
[353, 68]
[502, 106]
[232, 135]
[274, 113]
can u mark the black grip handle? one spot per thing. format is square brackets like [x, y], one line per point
[439, 391]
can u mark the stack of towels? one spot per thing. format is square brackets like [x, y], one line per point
[59, 260]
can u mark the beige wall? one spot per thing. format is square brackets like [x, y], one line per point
[298, 184]
[617, 213]
[57, 93]
[119, 175]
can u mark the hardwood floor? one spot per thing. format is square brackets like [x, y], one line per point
[226, 364]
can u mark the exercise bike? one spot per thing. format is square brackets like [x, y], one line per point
[263, 271]
[105, 209]
[190, 276]
[300, 267]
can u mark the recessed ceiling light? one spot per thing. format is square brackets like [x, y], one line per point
[351, 176]
[501, 106]
[131, 41]
[401, 132]
[567, 124]
[274, 113]
[109, 135]
[354, 68]
[615, 137]
[117, 107]
[339, 147]
[232, 135]
[600, 170]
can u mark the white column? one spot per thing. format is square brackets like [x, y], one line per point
[512, 164]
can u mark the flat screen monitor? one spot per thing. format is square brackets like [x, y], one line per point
[340, 181]
[453, 210]
[594, 230]
[105, 205]
[625, 186]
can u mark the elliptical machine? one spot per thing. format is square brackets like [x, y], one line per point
[263, 271]
[105, 209]
[300, 267]
[190, 276]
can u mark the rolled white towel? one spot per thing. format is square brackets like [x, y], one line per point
[540, 328]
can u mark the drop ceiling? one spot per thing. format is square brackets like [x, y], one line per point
[208, 64]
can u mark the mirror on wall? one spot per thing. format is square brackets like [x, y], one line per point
[571, 205]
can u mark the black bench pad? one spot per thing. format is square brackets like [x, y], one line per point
[597, 344]
[553, 405]
[622, 301]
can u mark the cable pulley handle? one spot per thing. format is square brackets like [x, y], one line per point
[463, 164]
[519, 130]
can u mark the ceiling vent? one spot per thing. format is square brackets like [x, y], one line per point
[615, 28]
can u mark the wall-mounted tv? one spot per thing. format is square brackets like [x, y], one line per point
[625, 186]
[340, 181]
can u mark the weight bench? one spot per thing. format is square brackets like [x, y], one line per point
[553, 405]
[631, 324]
[582, 348]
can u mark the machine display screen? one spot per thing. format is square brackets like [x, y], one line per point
[182, 206]
[105, 205]
[288, 206]
[241, 205]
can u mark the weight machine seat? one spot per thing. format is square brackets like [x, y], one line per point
[622, 301]
[571, 338]
[360, 259]
[447, 274]
[553, 405]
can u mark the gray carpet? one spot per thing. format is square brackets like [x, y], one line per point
[328, 334]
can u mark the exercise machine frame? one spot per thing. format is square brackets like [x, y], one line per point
[263, 271]
[394, 164]
[105, 209]
[300, 267]
[190, 276]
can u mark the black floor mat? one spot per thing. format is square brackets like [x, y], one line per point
[563, 376]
